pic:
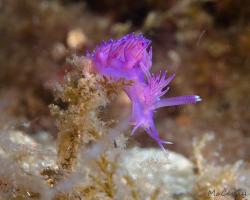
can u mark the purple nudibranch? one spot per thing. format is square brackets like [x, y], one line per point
[130, 57]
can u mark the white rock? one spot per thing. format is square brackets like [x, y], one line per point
[151, 169]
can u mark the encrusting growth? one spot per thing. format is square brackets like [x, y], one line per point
[77, 104]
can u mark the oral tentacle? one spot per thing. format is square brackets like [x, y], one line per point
[175, 101]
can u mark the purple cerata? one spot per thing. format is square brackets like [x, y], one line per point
[130, 58]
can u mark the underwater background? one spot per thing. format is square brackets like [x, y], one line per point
[65, 129]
